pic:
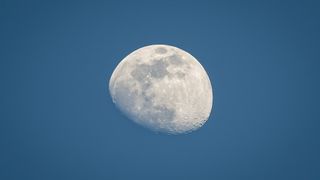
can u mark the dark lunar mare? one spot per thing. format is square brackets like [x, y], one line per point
[143, 73]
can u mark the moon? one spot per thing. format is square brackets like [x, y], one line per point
[162, 88]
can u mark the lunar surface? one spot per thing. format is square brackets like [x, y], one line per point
[162, 88]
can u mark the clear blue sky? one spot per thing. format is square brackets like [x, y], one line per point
[57, 120]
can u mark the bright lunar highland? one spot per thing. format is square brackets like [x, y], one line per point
[162, 88]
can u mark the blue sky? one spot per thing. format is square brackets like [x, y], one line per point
[58, 120]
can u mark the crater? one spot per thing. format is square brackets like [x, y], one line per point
[180, 75]
[161, 50]
[148, 99]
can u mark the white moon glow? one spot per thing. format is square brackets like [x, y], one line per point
[162, 88]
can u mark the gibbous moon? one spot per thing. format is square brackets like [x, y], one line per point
[162, 88]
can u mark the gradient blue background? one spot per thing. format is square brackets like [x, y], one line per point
[58, 120]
